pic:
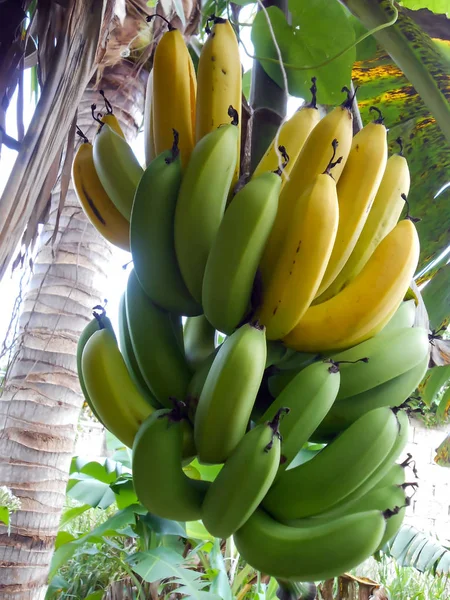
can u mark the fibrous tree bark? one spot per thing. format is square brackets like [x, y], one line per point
[41, 399]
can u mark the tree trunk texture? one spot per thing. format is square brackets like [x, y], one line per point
[41, 401]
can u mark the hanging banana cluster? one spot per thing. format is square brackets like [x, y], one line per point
[303, 273]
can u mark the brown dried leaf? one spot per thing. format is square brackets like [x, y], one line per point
[65, 174]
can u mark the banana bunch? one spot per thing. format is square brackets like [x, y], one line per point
[258, 318]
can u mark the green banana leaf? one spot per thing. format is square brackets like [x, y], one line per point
[432, 384]
[383, 85]
[436, 295]
[442, 457]
[413, 548]
[443, 411]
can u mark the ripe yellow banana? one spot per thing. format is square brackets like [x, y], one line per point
[293, 135]
[382, 218]
[367, 303]
[219, 80]
[110, 118]
[356, 191]
[174, 91]
[95, 202]
[149, 134]
[302, 259]
[312, 160]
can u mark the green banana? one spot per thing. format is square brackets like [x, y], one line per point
[385, 466]
[276, 351]
[395, 476]
[116, 399]
[309, 396]
[392, 393]
[236, 252]
[87, 332]
[199, 340]
[309, 553]
[336, 471]
[244, 480]
[152, 235]
[391, 500]
[294, 361]
[403, 317]
[201, 202]
[156, 347]
[197, 382]
[388, 356]
[126, 348]
[158, 478]
[229, 392]
[117, 168]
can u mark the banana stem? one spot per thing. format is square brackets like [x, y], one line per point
[400, 41]
[268, 102]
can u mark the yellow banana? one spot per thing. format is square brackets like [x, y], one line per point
[95, 202]
[291, 286]
[219, 82]
[312, 160]
[174, 91]
[149, 134]
[110, 118]
[356, 191]
[367, 303]
[382, 218]
[293, 135]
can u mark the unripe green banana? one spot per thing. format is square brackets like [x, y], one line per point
[295, 361]
[309, 397]
[158, 478]
[152, 235]
[126, 348]
[388, 356]
[117, 168]
[244, 480]
[114, 396]
[395, 476]
[196, 384]
[156, 347]
[403, 317]
[201, 202]
[309, 553]
[391, 500]
[276, 351]
[338, 469]
[89, 330]
[384, 467]
[199, 340]
[236, 252]
[281, 378]
[229, 393]
[392, 393]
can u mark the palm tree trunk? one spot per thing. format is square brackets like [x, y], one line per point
[41, 401]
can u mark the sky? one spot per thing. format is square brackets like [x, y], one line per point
[117, 277]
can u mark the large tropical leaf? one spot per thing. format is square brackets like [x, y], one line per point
[164, 563]
[413, 548]
[382, 84]
[316, 32]
[442, 457]
[393, 84]
[436, 295]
